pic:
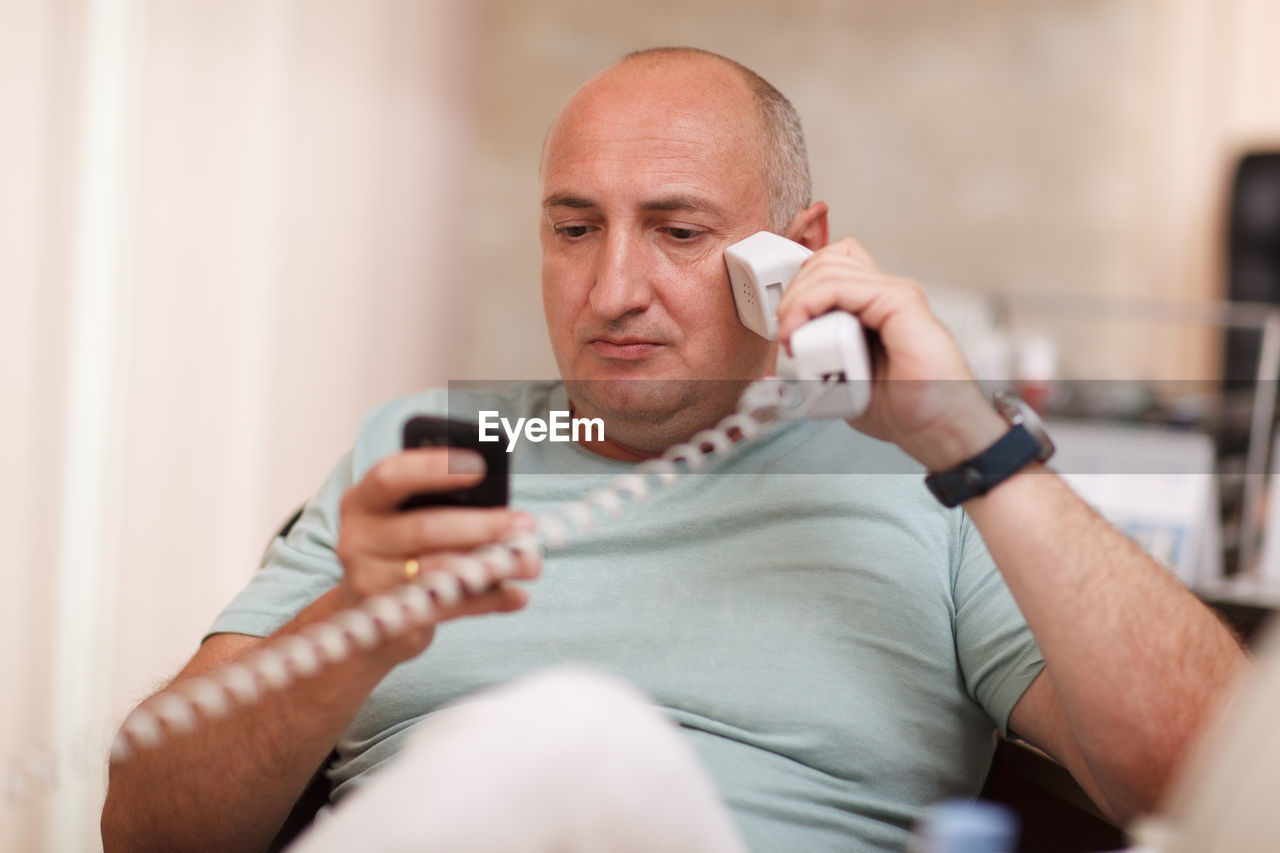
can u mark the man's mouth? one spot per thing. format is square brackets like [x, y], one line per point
[623, 348]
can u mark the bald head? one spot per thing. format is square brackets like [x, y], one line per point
[695, 81]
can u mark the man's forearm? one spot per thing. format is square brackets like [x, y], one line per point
[230, 784]
[1138, 663]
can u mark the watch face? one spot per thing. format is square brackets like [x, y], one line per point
[1017, 411]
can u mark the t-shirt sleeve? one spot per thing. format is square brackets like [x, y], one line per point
[301, 567]
[298, 568]
[998, 655]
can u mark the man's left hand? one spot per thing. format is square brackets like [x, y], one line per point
[923, 398]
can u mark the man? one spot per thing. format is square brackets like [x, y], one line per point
[837, 656]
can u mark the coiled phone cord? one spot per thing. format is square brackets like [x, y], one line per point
[274, 666]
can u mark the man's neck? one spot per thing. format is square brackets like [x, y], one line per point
[611, 449]
[644, 438]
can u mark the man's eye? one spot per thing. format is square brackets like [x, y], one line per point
[572, 231]
[684, 234]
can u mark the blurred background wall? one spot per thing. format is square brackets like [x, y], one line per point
[227, 228]
[994, 146]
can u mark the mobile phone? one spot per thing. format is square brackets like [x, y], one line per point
[423, 431]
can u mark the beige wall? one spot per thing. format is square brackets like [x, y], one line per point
[1052, 146]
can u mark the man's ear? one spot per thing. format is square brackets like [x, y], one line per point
[809, 226]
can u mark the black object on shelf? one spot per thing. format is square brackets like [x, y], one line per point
[1253, 255]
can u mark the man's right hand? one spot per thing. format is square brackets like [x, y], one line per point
[376, 539]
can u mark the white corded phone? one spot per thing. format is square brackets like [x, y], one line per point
[826, 376]
[830, 348]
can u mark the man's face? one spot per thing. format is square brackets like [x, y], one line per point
[649, 173]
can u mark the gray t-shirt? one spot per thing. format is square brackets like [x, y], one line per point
[837, 647]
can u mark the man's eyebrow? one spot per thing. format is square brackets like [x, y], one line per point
[683, 202]
[566, 200]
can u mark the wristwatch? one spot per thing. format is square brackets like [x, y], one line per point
[1024, 443]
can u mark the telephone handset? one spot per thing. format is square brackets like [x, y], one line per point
[830, 348]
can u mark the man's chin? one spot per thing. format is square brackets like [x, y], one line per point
[631, 399]
[655, 401]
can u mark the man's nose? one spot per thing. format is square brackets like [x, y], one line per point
[622, 278]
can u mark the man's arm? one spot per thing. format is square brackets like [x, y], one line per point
[230, 784]
[1134, 664]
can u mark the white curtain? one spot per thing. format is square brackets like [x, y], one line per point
[225, 230]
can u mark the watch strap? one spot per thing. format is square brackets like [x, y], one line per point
[1016, 449]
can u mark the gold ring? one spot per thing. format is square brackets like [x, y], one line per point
[410, 570]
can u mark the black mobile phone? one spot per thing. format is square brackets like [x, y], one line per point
[423, 431]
